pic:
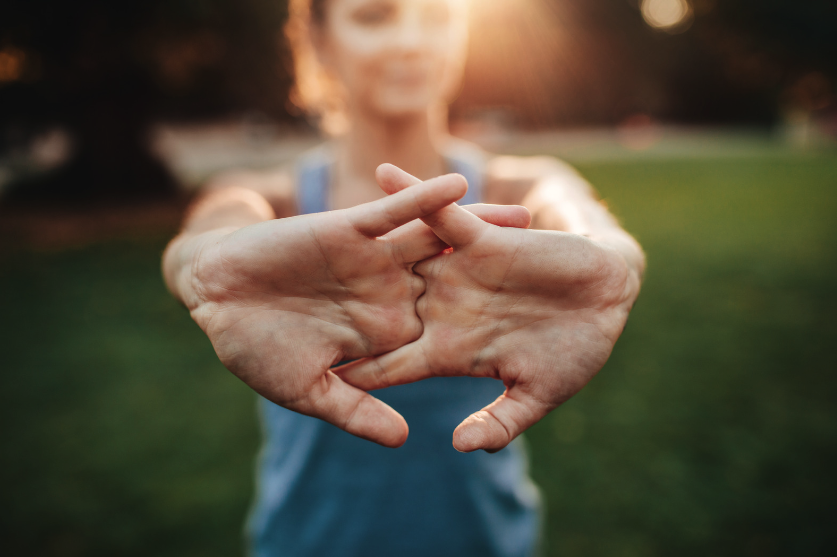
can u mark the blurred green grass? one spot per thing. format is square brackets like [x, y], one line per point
[712, 429]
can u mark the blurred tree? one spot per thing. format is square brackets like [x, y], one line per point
[106, 70]
[577, 62]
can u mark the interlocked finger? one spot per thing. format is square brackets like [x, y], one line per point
[452, 224]
[392, 179]
[415, 241]
[509, 216]
[384, 215]
[407, 364]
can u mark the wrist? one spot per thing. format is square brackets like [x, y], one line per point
[211, 217]
[231, 206]
[631, 253]
[180, 263]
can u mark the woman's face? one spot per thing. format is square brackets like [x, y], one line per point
[395, 57]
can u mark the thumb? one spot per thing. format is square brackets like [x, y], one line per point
[354, 411]
[499, 423]
[407, 364]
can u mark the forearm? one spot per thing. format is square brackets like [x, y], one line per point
[207, 219]
[565, 201]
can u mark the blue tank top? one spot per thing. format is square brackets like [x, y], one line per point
[322, 492]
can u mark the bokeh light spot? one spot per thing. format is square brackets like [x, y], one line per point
[11, 64]
[667, 15]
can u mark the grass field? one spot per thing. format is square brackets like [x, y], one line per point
[711, 431]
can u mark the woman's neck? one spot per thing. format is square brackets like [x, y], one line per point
[409, 143]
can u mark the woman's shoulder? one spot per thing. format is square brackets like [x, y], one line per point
[508, 178]
[505, 166]
[277, 185]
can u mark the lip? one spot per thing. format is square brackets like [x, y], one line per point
[407, 77]
[408, 80]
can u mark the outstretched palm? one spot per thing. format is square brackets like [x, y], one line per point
[284, 300]
[538, 310]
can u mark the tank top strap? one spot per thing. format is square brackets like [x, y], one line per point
[314, 170]
[468, 160]
[313, 176]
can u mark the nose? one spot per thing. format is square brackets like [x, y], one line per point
[410, 35]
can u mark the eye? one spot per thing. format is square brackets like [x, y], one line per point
[436, 13]
[375, 13]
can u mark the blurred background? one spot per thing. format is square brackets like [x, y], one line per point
[708, 126]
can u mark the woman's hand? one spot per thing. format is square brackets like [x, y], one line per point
[284, 300]
[539, 310]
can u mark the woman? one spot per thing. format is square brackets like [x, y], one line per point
[356, 278]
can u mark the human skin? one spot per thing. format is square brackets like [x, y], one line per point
[396, 57]
[538, 310]
[398, 61]
[284, 300]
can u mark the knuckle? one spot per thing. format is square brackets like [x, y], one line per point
[209, 276]
[418, 286]
[613, 273]
[422, 306]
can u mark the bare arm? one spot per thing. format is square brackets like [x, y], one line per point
[559, 198]
[215, 214]
[229, 201]
[538, 309]
[283, 300]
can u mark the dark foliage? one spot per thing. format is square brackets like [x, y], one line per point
[105, 70]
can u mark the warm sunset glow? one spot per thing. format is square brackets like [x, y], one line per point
[520, 55]
[667, 15]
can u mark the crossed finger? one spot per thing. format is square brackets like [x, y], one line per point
[416, 241]
[378, 217]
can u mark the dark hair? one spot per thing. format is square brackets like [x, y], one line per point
[317, 9]
[314, 92]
